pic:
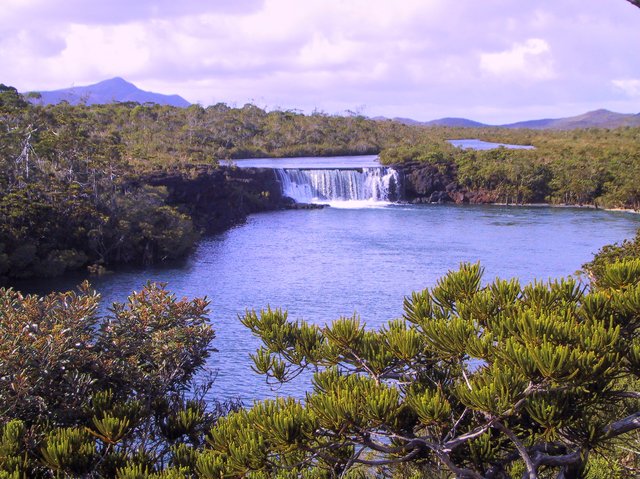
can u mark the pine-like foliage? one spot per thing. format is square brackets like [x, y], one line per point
[478, 379]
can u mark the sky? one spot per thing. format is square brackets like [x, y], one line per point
[495, 61]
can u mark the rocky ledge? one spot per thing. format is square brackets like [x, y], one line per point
[219, 198]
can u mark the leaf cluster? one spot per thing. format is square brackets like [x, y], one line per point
[478, 378]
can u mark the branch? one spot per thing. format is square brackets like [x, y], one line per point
[479, 431]
[531, 468]
[386, 462]
[622, 426]
[541, 459]
[461, 473]
[628, 394]
[452, 432]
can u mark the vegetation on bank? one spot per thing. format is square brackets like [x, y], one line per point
[577, 167]
[72, 179]
[627, 250]
[497, 381]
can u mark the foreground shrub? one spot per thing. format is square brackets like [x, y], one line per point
[476, 381]
[83, 395]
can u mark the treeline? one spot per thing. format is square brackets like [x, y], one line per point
[151, 136]
[578, 167]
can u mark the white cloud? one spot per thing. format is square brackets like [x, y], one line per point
[416, 58]
[531, 59]
[630, 86]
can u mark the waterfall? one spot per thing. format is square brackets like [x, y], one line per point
[375, 184]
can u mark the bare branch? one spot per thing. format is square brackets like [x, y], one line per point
[622, 426]
[386, 462]
[462, 473]
[571, 459]
[458, 441]
[531, 468]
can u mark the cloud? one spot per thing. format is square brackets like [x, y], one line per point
[531, 59]
[416, 58]
[630, 86]
[112, 12]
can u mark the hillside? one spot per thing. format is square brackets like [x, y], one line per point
[109, 91]
[455, 123]
[593, 119]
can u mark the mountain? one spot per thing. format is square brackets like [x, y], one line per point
[109, 91]
[592, 119]
[455, 123]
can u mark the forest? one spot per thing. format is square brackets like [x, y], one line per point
[595, 167]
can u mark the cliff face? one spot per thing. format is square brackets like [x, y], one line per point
[219, 198]
[428, 183]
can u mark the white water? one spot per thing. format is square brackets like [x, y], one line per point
[340, 187]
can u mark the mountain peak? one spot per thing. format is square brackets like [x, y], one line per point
[116, 81]
[113, 90]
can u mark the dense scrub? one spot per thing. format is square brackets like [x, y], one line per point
[625, 251]
[577, 167]
[83, 395]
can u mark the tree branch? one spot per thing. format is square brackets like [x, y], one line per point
[531, 468]
[571, 459]
[622, 426]
[461, 473]
[453, 443]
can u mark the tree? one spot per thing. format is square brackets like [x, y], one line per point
[627, 250]
[82, 395]
[480, 381]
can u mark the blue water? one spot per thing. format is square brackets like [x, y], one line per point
[311, 162]
[321, 264]
[475, 144]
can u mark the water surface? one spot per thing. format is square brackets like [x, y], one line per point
[311, 162]
[475, 144]
[322, 264]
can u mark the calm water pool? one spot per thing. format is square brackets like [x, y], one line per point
[321, 264]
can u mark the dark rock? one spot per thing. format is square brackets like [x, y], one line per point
[219, 198]
[305, 206]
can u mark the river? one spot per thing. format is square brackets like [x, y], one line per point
[321, 264]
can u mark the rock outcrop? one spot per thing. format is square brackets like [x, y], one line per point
[219, 198]
[437, 183]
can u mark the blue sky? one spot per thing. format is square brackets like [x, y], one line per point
[494, 61]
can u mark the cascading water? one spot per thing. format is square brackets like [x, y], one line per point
[376, 184]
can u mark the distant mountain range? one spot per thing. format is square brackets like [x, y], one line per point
[120, 90]
[108, 91]
[592, 119]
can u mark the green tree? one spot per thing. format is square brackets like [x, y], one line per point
[85, 395]
[480, 381]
